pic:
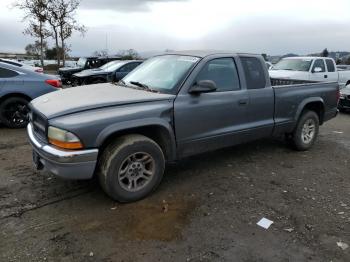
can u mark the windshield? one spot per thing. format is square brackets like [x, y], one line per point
[111, 66]
[162, 73]
[293, 64]
[81, 62]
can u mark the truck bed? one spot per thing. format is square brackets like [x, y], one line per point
[292, 95]
[284, 81]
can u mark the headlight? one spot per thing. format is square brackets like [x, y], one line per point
[63, 139]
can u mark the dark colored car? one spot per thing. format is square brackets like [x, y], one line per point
[344, 102]
[172, 106]
[82, 64]
[110, 72]
[18, 86]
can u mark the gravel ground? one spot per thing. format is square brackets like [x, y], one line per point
[206, 209]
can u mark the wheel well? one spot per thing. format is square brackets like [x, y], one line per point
[318, 108]
[347, 82]
[3, 98]
[158, 134]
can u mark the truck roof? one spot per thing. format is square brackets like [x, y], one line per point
[203, 53]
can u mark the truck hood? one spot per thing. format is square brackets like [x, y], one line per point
[288, 74]
[70, 69]
[91, 72]
[76, 99]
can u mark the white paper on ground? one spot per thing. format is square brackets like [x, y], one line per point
[338, 132]
[265, 223]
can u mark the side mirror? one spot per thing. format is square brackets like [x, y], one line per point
[317, 70]
[203, 86]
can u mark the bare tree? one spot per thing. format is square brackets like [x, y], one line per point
[63, 24]
[35, 49]
[52, 19]
[36, 13]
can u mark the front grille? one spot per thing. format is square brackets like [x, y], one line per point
[39, 125]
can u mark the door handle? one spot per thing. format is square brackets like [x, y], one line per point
[243, 102]
[325, 76]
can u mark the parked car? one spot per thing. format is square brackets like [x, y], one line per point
[82, 64]
[310, 68]
[18, 86]
[110, 72]
[25, 66]
[344, 102]
[170, 107]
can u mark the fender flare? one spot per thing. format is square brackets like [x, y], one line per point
[146, 122]
[304, 103]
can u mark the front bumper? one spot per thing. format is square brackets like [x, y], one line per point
[66, 164]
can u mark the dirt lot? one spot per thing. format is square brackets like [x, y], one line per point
[206, 209]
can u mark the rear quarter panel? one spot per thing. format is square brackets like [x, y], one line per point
[290, 100]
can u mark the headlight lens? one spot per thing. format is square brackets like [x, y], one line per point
[63, 139]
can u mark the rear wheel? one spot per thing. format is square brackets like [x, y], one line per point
[75, 82]
[305, 134]
[14, 112]
[131, 167]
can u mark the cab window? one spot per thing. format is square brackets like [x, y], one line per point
[222, 72]
[330, 65]
[319, 63]
[254, 72]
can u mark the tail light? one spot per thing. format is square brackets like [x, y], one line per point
[54, 82]
[39, 70]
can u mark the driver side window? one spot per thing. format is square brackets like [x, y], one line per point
[319, 63]
[222, 72]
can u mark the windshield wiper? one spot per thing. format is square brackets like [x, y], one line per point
[140, 85]
[144, 86]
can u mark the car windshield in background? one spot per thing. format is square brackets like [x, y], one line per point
[162, 73]
[293, 64]
[81, 62]
[111, 66]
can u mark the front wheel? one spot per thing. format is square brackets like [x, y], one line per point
[14, 112]
[131, 167]
[305, 134]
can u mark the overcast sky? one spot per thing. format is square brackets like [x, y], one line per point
[268, 26]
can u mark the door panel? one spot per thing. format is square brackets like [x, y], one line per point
[210, 120]
[318, 76]
[332, 73]
[261, 98]
[261, 111]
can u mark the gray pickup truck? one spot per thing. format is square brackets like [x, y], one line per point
[170, 107]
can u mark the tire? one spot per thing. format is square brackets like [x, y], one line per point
[123, 166]
[306, 131]
[14, 112]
